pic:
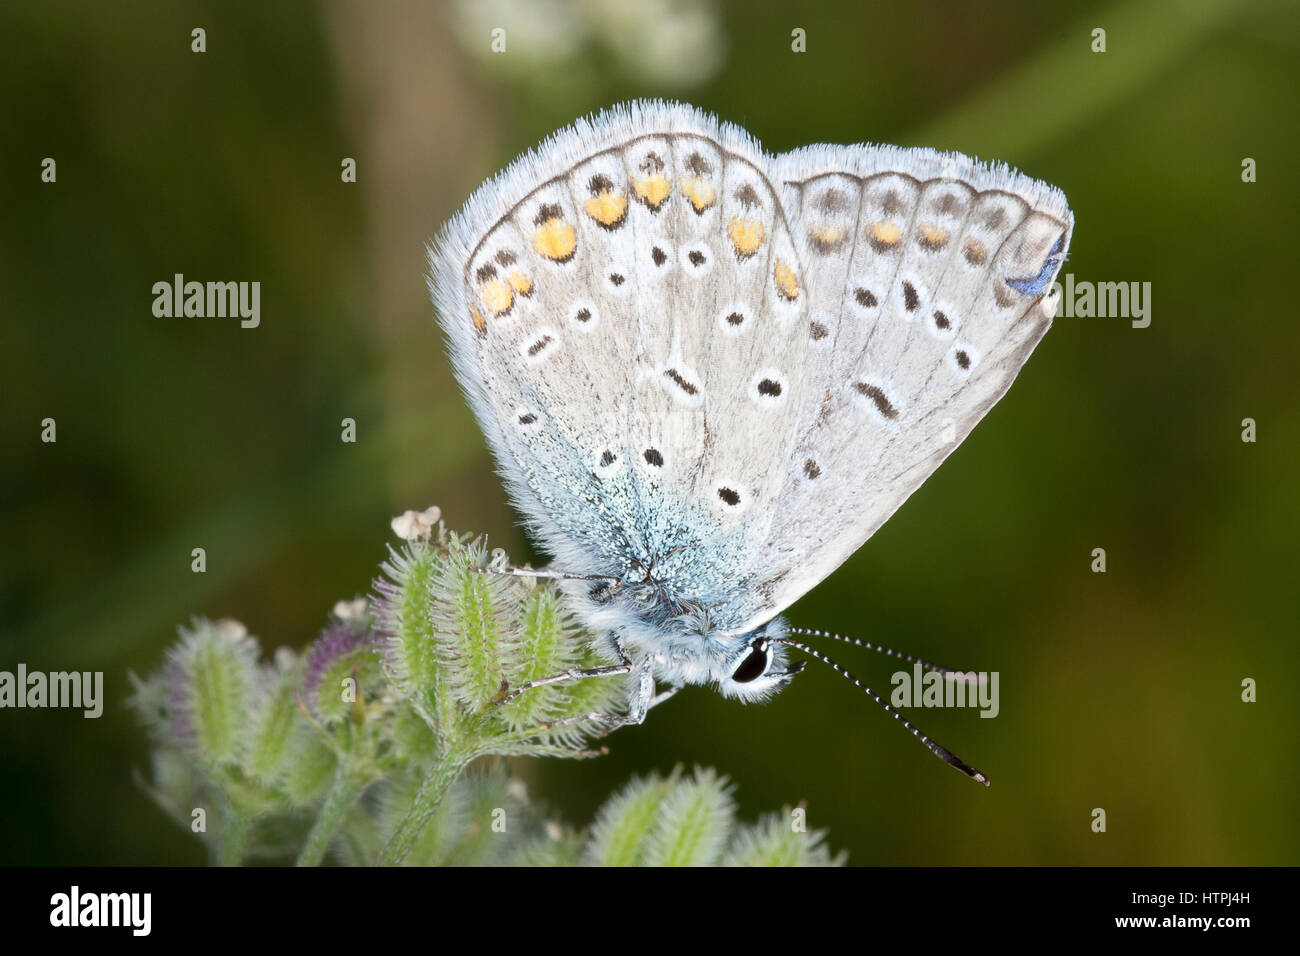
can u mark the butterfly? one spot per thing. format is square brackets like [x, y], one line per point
[708, 374]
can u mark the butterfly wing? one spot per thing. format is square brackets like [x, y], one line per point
[926, 274]
[627, 315]
[687, 354]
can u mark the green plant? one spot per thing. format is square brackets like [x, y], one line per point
[360, 745]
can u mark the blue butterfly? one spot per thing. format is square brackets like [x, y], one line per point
[708, 374]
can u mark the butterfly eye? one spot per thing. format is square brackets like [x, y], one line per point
[753, 666]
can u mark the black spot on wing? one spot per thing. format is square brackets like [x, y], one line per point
[878, 398]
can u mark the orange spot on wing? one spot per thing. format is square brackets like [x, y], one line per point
[829, 234]
[787, 282]
[556, 240]
[700, 192]
[931, 235]
[497, 296]
[607, 208]
[652, 190]
[746, 235]
[976, 252]
[886, 232]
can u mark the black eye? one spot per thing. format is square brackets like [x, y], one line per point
[753, 666]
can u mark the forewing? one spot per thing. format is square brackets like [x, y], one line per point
[626, 312]
[926, 277]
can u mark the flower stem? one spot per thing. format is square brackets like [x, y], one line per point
[233, 840]
[426, 803]
[343, 793]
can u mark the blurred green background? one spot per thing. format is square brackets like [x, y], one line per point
[1118, 690]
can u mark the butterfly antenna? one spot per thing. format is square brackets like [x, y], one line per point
[946, 671]
[947, 756]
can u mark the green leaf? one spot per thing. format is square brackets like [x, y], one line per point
[624, 823]
[275, 720]
[473, 614]
[310, 766]
[775, 841]
[546, 644]
[406, 616]
[693, 824]
[213, 674]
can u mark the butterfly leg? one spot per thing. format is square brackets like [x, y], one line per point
[545, 574]
[663, 695]
[644, 700]
[577, 673]
[624, 666]
[641, 700]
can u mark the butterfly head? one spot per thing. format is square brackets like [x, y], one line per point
[759, 667]
[681, 637]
